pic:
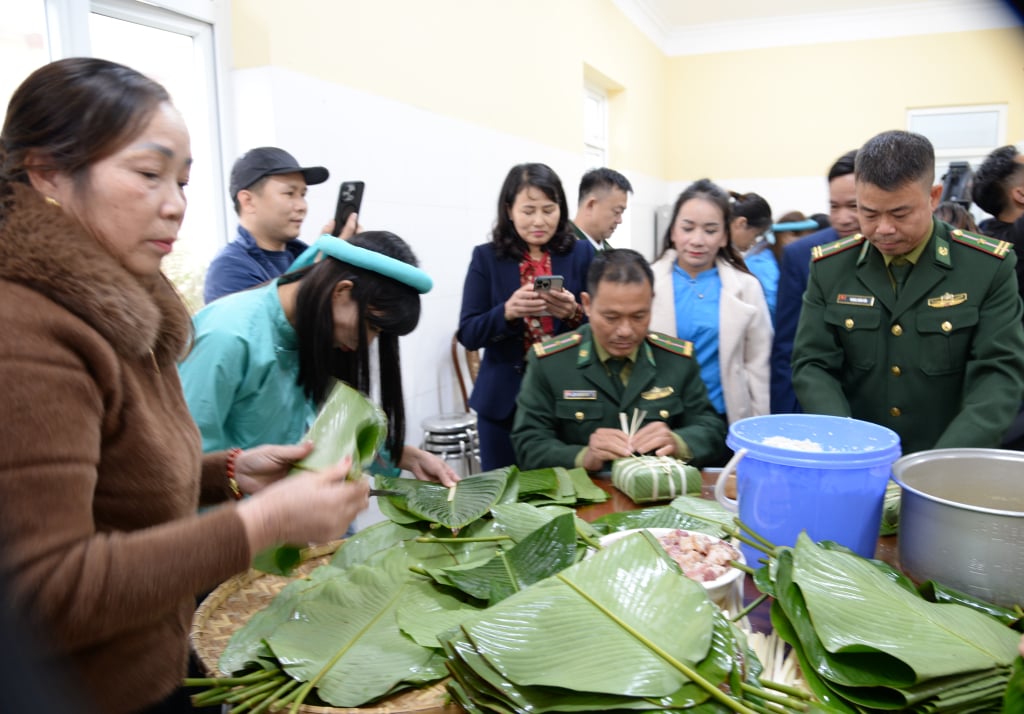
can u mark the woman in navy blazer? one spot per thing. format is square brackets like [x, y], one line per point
[502, 313]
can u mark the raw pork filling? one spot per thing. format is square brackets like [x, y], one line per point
[701, 557]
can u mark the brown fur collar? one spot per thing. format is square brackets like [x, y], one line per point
[43, 248]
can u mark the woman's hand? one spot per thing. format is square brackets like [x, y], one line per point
[257, 468]
[524, 301]
[310, 507]
[560, 303]
[427, 467]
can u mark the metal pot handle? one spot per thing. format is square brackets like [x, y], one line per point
[730, 504]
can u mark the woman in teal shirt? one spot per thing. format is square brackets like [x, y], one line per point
[264, 359]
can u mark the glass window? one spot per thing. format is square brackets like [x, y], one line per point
[24, 45]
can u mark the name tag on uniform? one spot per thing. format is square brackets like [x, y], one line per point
[861, 300]
[947, 300]
[657, 393]
[579, 394]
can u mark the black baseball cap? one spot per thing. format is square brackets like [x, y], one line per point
[270, 161]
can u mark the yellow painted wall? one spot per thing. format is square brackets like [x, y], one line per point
[792, 111]
[514, 66]
[519, 67]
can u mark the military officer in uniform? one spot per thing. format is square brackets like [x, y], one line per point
[577, 384]
[911, 324]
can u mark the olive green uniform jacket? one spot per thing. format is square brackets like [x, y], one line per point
[942, 365]
[567, 394]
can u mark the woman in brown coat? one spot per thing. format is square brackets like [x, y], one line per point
[101, 470]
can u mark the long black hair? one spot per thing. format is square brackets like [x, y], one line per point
[507, 242]
[390, 306]
[716, 195]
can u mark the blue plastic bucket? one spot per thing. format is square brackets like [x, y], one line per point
[807, 472]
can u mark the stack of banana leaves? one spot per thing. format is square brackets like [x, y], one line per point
[399, 599]
[867, 640]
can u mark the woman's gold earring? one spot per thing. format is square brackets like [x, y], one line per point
[53, 201]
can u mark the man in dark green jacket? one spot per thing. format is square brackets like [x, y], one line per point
[577, 384]
[911, 324]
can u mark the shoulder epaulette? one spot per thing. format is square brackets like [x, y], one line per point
[671, 344]
[557, 344]
[835, 247]
[986, 244]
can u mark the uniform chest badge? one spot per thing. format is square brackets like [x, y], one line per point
[947, 300]
[579, 394]
[861, 300]
[657, 393]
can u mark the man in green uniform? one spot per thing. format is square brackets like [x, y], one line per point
[911, 324]
[577, 384]
[604, 194]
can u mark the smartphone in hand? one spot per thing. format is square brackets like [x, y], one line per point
[350, 199]
[547, 283]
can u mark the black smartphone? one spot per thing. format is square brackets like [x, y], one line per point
[350, 198]
[547, 283]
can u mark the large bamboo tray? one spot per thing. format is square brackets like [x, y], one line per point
[231, 605]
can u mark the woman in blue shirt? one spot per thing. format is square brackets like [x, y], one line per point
[265, 359]
[704, 293]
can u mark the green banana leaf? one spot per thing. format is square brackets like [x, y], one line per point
[247, 646]
[864, 638]
[1013, 700]
[586, 489]
[372, 540]
[890, 524]
[426, 611]
[454, 508]
[537, 481]
[846, 595]
[338, 641]
[348, 424]
[544, 552]
[594, 603]
[657, 517]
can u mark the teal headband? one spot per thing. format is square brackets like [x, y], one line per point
[362, 258]
[796, 225]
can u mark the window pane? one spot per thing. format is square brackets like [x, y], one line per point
[958, 129]
[171, 59]
[23, 44]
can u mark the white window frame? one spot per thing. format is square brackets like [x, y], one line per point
[595, 144]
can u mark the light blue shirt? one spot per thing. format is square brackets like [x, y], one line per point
[240, 376]
[697, 321]
[764, 266]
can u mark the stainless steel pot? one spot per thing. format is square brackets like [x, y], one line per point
[962, 520]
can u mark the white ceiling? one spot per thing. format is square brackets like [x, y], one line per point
[682, 27]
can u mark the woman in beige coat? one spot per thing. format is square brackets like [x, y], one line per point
[704, 293]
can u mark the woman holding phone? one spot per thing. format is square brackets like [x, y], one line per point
[504, 312]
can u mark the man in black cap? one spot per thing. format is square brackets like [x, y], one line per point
[268, 189]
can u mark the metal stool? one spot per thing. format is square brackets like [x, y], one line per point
[453, 437]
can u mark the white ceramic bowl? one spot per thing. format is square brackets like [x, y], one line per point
[726, 591]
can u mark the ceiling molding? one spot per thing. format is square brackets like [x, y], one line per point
[901, 20]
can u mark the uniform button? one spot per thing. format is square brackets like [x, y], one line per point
[946, 326]
[663, 413]
[579, 416]
[897, 330]
[848, 322]
[896, 371]
[895, 411]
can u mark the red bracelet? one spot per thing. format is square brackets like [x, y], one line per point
[230, 467]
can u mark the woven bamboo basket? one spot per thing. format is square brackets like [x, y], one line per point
[231, 605]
